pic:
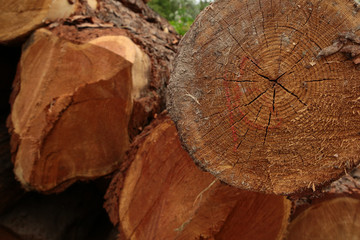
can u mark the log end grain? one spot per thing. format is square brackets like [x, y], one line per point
[255, 106]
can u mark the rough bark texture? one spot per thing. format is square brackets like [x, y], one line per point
[348, 184]
[157, 38]
[163, 195]
[329, 220]
[256, 106]
[75, 124]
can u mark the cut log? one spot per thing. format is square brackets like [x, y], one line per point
[253, 103]
[70, 111]
[165, 196]
[329, 220]
[76, 85]
[18, 18]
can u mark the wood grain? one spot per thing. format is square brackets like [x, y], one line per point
[255, 106]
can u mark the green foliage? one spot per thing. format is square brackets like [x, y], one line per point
[181, 27]
[180, 13]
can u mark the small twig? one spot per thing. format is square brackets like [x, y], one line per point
[348, 43]
[337, 45]
[194, 98]
[199, 196]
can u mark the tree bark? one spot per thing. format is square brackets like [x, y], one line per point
[76, 85]
[254, 102]
[163, 195]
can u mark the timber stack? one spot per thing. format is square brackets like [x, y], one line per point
[246, 129]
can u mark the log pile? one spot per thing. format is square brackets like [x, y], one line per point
[263, 118]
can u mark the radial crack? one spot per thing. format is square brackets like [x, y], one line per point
[307, 20]
[257, 115]
[273, 103]
[239, 120]
[267, 127]
[234, 80]
[263, 76]
[281, 76]
[302, 57]
[242, 140]
[256, 98]
[287, 90]
[238, 43]
[240, 81]
[255, 63]
[320, 80]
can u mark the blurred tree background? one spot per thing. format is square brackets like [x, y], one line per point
[180, 13]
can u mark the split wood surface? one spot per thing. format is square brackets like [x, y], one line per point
[19, 18]
[165, 196]
[256, 106]
[84, 87]
[63, 89]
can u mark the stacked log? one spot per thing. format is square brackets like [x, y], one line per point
[63, 88]
[163, 195]
[257, 102]
[331, 219]
[85, 82]
[263, 103]
[20, 18]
